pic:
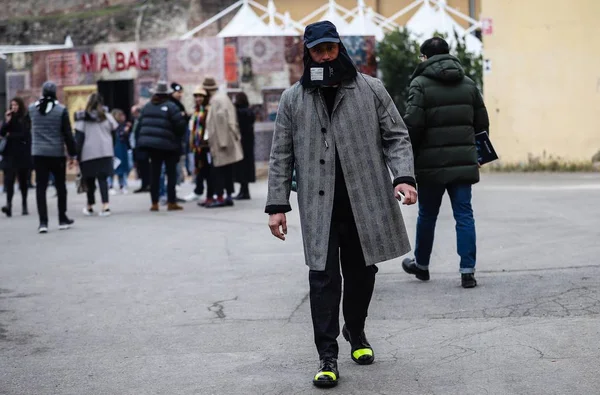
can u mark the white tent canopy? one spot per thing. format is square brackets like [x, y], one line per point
[334, 17]
[8, 49]
[430, 19]
[247, 23]
[364, 24]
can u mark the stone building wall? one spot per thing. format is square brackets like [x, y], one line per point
[88, 23]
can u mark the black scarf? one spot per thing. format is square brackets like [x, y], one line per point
[46, 104]
[328, 73]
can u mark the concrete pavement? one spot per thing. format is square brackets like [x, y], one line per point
[207, 302]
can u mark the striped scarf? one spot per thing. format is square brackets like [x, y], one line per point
[197, 135]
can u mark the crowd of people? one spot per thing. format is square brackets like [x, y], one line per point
[337, 138]
[213, 144]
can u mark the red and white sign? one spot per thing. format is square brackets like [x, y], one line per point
[97, 62]
[487, 26]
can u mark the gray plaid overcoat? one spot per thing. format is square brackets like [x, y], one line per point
[367, 137]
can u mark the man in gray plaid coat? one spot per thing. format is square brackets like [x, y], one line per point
[341, 132]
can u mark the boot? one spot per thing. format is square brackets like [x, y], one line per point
[328, 374]
[24, 210]
[174, 207]
[154, 207]
[468, 280]
[7, 210]
[409, 265]
[361, 350]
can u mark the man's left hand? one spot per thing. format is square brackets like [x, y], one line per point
[409, 192]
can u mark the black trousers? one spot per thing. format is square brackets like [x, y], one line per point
[143, 168]
[9, 184]
[90, 182]
[223, 179]
[170, 159]
[44, 166]
[203, 173]
[326, 287]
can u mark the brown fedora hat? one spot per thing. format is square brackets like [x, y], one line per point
[162, 88]
[210, 84]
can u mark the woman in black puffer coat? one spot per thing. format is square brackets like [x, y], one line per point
[16, 157]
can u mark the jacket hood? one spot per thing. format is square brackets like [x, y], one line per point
[445, 68]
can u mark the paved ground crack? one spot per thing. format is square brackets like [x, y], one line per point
[304, 299]
[218, 308]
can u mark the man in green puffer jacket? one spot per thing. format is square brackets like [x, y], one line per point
[445, 110]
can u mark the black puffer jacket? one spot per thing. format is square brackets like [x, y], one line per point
[161, 126]
[445, 110]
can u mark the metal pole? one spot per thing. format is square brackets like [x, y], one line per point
[472, 9]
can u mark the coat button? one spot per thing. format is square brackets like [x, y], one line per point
[321, 193]
[322, 161]
[323, 130]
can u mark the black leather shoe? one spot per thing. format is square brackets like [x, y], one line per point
[216, 204]
[242, 196]
[142, 190]
[468, 280]
[328, 375]
[7, 210]
[361, 351]
[409, 266]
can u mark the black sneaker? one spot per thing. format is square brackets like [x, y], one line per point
[410, 267]
[468, 280]
[24, 211]
[328, 375]
[65, 223]
[43, 228]
[361, 351]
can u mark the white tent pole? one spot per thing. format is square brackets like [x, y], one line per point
[405, 10]
[294, 23]
[385, 22]
[346, 12]
[472, 28]
[313, 14]
[212, 20]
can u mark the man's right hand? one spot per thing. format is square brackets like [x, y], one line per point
[278, 225]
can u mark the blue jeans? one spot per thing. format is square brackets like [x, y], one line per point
[162, 189]
[122, 181]
[430, 199]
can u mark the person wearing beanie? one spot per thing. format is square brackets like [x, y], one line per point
[176, 98]
[444, 112]
[341, 132]
[50, 133]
